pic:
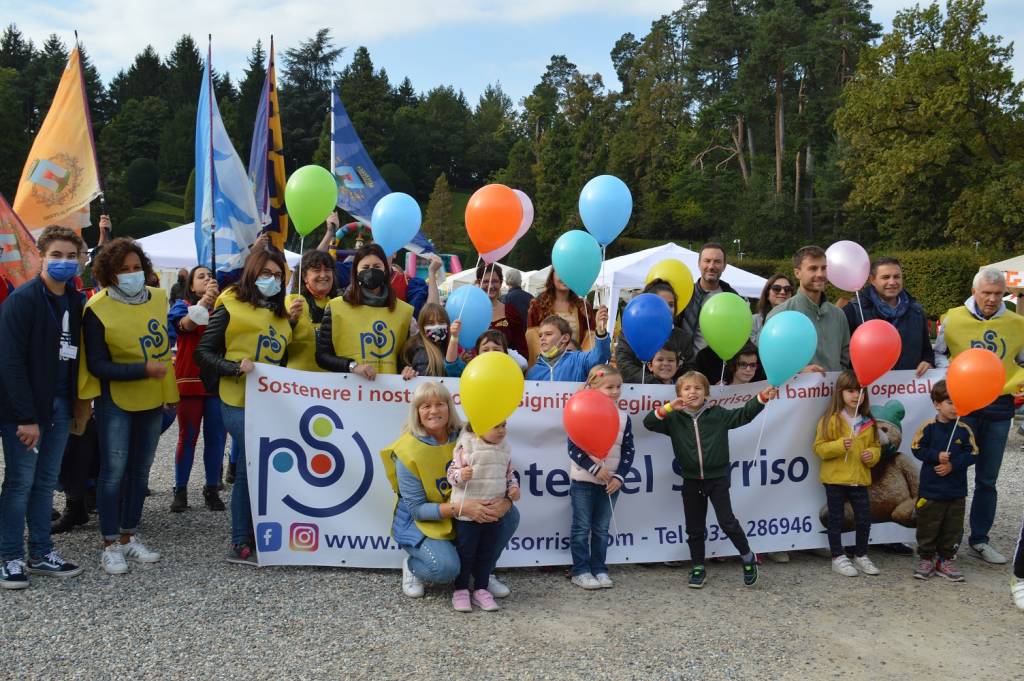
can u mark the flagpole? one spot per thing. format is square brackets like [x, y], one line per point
[209, 103]
[88, 121]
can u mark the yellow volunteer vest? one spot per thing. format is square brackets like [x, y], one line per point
[133, 334]
[1003, 335]
[370, 335]
[302, 349]
[429, 463]
[254, 333]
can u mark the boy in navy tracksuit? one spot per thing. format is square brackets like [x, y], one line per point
[944, 457]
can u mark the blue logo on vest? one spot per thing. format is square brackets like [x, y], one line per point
[323, 469]
[272, 343]
[443, 486]
[991, 342]
[156, 339]
[381, 337]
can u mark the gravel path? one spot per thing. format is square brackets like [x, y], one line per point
[193, 616]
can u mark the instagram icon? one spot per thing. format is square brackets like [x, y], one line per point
[304, 537]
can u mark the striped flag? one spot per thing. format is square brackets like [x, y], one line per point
[266, 160]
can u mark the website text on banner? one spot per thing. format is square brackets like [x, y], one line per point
[321, 498]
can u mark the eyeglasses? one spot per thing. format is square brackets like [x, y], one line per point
[746, 365]
[779, 288]
[269, 273]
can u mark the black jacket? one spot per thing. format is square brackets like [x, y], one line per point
[29, 352]
[689, 319]
[912, 327]
[632, 367]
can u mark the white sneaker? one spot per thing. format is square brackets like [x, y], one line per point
[865, 565]
[604, 580]
[411, 584]
[1017, 589]
[586, 581]
[843, 566]
[113, 560]
[987, 554]
[138, 552]
[497, 588]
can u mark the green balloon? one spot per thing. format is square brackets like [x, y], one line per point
[310, 196]
[725, 322]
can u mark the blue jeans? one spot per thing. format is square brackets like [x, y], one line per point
[241, 508]
[990, 437]
[437, 560]
[29, 479]
[193, 412]
[591, 514]
[128, 442]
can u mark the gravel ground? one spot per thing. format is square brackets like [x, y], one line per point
[193, 616]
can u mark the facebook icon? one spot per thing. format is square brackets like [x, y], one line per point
[268, 537]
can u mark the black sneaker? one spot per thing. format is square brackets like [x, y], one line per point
[229, 477]
[12, 574]
[698, 575]
[52, 565]
[180, 502]
[74, 515]
[242, 554]
[212, 499]
[750, 573]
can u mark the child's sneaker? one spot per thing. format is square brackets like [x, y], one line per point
[1017, 591]
[749, 573]
[113, 560]
[242, 554]
[944, 567]
[138, 551]
[483, 599]
[461, 602]
[12, 574]
[698, 575]
[864, 564]
[52, 565]
[604, 580]
[925, 568]
[843, 566]
[586, 581]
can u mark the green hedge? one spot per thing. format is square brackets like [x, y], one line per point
[168, 217]
[168, 197]
[138, 226]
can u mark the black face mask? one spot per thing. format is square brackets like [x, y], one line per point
[371, 278]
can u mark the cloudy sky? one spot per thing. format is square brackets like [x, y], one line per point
[466, 43]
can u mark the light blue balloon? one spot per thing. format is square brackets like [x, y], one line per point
[395, 220]
[605, 207]
[576, 258]
[472, 306]
[786, 345]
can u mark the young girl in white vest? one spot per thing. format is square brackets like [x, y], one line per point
[481, 469]
[594, 487]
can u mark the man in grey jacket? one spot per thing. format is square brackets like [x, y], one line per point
[833, 352]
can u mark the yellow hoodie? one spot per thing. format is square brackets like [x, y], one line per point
[840, 466]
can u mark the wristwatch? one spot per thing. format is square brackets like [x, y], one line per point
[352, 365]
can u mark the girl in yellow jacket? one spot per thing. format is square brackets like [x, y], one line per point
[847, 442]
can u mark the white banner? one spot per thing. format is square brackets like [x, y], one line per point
[320, 497]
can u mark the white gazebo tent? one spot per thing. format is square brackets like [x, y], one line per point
[1013, 270]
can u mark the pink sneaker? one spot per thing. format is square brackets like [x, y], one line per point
[460, 601]
[483, 599]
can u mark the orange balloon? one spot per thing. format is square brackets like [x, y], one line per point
[493, 216]
[974, 379]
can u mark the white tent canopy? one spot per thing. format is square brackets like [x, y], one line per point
[176, 248]
[1013, 269]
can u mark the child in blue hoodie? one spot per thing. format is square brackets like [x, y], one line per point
[556, 362]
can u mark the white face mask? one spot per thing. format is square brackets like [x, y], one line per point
[268, 286]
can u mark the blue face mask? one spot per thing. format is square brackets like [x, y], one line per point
[131, 283]
[268, 286]
[61, 270]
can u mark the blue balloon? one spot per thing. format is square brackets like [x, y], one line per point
[647, 323]
[576, 258]
[786, 345]
[395, 220]
[605, 207]
[472, 306]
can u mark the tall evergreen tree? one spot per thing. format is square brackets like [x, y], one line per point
[249, 91]
[370, 103]
[307, 76]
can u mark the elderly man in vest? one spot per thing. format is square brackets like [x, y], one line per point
[984, 322]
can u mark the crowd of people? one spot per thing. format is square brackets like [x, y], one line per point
[91, 377]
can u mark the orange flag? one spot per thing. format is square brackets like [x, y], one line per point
[61, 175]
[19, 258]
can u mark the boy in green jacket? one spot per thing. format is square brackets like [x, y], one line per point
[700, 442]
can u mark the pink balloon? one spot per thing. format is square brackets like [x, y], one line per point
[524, 226]
[848, 265]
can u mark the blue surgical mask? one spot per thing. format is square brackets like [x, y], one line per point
[131, 283]
[61, 270]
[268, 286]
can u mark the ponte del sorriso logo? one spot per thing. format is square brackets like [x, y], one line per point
[319, 428]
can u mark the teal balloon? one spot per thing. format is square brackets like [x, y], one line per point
[725, 322]
[786, 345]
[576, 258]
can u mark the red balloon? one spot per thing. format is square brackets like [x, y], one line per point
[974, 379]
[874, 349]
[591, 420]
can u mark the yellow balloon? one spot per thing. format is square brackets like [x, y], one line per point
[491, 389]
[678, 275]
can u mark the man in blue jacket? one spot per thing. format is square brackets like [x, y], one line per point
[40, 328]
[885, 298]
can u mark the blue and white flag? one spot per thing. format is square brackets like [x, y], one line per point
[224, 195]
[360, 184]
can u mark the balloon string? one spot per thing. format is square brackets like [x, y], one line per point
[721, 381]
[856, 412]
[860, 308]
[586, 315]
[760, 435]
[643, 373]
[951, 435]
[597, 298]
[464, 298]
[615, 525]
[464, 495]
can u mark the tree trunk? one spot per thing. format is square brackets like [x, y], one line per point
[778, 130]
[796, 183]
[737, 140]
[750, 146]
